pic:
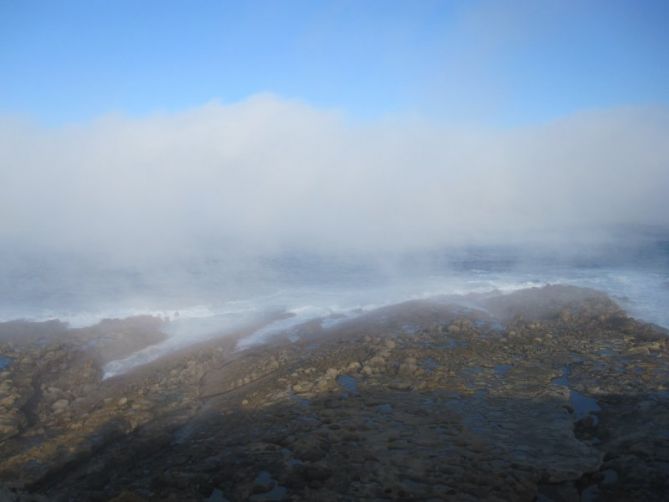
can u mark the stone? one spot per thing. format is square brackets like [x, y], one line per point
[60, 405]
[301, 387]
[127, 496]
[310, 448]
[376, 362]
[8, 401]
[317, 472]
[8, 428]
[400, 385]
[353, 367]
[332, 373]
[429, 416]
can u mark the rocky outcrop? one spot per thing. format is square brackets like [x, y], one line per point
[426, 400]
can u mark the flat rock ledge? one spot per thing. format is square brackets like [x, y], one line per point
[549, 394]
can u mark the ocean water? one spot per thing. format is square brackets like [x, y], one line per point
[309, 291]
[208, 299]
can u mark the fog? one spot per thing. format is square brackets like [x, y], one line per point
[268, 175]
[270, 196]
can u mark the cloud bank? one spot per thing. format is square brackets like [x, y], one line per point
[268, 175]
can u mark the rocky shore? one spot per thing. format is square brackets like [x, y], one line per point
[550, 394]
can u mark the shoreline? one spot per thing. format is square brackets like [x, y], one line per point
[547, 391]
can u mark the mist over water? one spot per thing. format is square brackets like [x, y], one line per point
[204, 297]
[330, 249]
[267, 177]
[225, 215]
[276, 295]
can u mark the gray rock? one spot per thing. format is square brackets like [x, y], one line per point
[400, 385]
[60, 405]
[317, 472]
[610, 477]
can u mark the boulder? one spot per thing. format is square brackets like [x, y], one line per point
[60, 405]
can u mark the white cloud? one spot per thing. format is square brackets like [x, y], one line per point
[267, 174]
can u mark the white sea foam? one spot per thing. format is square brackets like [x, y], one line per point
[298, 316]
[643, 293]
[182, 333]
[86, 318]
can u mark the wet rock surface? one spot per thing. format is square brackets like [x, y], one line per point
[548, 394]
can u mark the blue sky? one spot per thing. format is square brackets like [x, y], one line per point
[480, 62]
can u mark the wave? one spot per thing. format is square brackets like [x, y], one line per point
[642, 291]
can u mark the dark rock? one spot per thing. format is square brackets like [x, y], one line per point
[317, 472]
[276, 494]
[263, 482]
[564, 397]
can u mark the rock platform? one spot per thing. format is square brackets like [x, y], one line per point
[546, 394]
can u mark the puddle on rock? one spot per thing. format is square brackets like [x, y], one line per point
[5, 362]
[384, 409]
[606, 351]
[348, 383]
[582, 405]
[429, 364]
[502, 369]
[299, 400]
[563, 379]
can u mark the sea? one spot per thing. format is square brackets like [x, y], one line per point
[206, 298]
